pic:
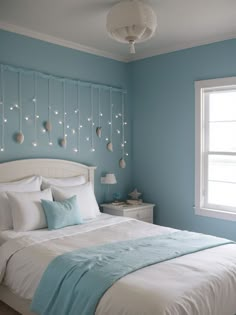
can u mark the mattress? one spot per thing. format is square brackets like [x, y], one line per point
[199, 283]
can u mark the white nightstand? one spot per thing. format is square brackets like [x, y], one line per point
[143, 212]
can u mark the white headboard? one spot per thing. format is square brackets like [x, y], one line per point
[19, 169]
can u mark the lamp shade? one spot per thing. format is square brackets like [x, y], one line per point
[109, 179]
[131, 21]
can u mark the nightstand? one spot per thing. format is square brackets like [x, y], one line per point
[143, 212]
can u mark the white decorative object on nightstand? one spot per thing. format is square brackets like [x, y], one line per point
[143, 212]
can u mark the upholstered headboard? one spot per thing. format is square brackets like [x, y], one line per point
[15, 170]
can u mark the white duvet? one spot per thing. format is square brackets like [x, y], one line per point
[202, 283]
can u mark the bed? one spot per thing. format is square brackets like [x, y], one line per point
[201, 283]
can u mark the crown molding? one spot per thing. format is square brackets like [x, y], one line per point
[69, 44]
[58, 41]
[175, 48]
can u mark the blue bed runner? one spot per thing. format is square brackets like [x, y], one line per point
[74, 282]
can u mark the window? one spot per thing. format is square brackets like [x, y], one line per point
[215, 148]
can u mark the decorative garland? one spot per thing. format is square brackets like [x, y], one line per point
[100, 89]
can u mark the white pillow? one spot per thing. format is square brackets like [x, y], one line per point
[63, 181]
[85, 197]
[32, 183]
[27, 211]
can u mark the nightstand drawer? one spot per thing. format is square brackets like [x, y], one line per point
[143, 211]
[140, 214]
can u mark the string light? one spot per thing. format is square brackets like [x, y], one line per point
[3, 110]
[78, 119]
[73, 130]
[19, 101]
[110, 144]
[64, 140]
[36, 116]
[49, 113]
[99, 108]
[92, 123]
[122, 162]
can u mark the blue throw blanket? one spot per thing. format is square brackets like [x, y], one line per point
[75, 282]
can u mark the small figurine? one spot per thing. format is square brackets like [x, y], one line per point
[135, 194]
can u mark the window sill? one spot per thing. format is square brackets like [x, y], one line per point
[218, 214]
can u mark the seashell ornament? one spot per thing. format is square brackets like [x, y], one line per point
[99, 132]
[122, 163]
[48, 126]
[110, 146]
[63, 142]
[20, 137]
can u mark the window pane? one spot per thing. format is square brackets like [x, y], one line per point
[222, 136]
[222, 168]
[222, 180]
[222, 106]
[220, 193]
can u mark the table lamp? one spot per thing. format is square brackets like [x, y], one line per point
[108, 179]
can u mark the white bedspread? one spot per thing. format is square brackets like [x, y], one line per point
[203, 283]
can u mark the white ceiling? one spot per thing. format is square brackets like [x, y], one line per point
[80, 24]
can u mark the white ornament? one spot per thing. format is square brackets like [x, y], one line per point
[122, 163]
[63, 142]
[110, 147]
[48, 126]
[20, 137]
[99, 132]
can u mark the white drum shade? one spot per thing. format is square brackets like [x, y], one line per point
[131, 22]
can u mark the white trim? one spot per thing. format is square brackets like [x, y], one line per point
[69, 44]
[162, 51]
[218, 214]
[201, 150]
[59, 41]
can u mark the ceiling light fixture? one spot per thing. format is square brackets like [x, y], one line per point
[131, 21]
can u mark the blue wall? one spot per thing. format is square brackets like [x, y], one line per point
[163, 131]
[161, 121]
[33, 54]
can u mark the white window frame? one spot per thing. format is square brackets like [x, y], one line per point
[201, 147]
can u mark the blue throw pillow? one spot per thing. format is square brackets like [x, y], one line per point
[61, 213]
